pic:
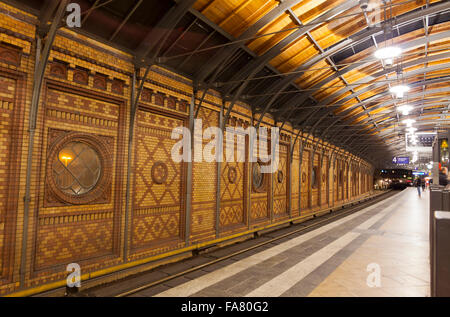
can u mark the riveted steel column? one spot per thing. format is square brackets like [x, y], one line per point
[310, 169]
[321, 177]
[133, 105]
[219, 172]
[272, 154]
[334, 171]
[249, 184]
[291, 160]
[300, 161]
[41, 60]
[189, 172]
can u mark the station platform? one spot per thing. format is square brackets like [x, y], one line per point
[381, 250]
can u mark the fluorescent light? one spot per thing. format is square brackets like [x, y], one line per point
[409, 122]
[412, 130]
[405, 109]
[399, 90]
[388, 53]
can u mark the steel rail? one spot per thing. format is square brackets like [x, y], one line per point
[353, 209]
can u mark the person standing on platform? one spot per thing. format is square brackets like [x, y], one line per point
[418, 184]
[443, 175]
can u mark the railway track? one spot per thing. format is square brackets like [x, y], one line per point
[295, 229]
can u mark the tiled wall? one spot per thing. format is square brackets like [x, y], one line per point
[86, 99]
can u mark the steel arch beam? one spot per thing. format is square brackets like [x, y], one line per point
[41, 61]
[249, 71]
[227, 51]
[336, 132]
[156, 37]
[412, 115]
[390, 102]
[376, 85]
[365, 112]
[362, 128]
[405, 46]
[415, 15]
[254, 66]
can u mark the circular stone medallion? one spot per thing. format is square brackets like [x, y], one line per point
[159, 172]
[258, 177]
[280, 176]
[232, 174]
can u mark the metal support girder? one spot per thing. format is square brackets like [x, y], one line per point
[188, 193]
[41, 60]
[174, 43]
[435, 123]
[130, 147]
[89, 11]
[45, 17]
[125, 20]
[343, 141]
[321, 50]
[342, 145]
[352, 137]
[210, 83]
[364, 112]
[290, 161]
[158, 35]
[254, 66]
[328, 100]
[283, 84]
[227, 51]
[411, 96]
[251, 69]
[411, 115]
[136, 91]
[183, 62]
[219, 173]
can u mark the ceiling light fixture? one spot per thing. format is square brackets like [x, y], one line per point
[400, 90]
[387, 54]
[411, 130]
[409, 122]
[405, 109]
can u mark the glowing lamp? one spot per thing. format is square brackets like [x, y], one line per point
[405, 109]
[409, 122]
[399, 90]
[387, 54]
[65, 158]
[411, 131]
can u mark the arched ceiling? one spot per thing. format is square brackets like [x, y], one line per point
[309, 63]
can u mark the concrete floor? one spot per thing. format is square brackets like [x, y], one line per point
[381, 250]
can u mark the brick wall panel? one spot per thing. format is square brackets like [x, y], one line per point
[204, 187]
[158, 194]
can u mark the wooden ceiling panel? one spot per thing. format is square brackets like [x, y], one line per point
[329, 34]
[262, 43]
[234, 16]
[288, 62]
[316, 74]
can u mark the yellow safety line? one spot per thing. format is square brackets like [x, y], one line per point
[113, 269]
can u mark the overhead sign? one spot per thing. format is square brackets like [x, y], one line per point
[401, 160]
[419, 173]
